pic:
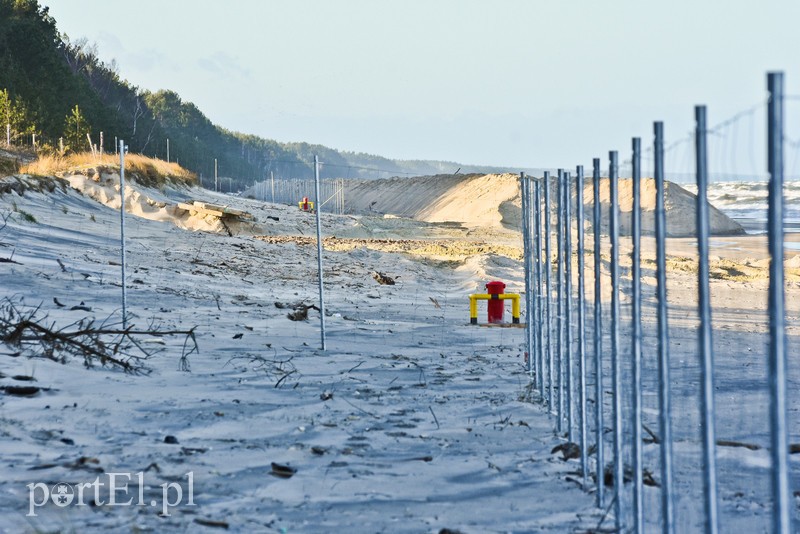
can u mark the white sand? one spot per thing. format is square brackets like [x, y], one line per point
[427, 423]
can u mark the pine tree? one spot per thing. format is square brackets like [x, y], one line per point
[14, 113]
[75, 131]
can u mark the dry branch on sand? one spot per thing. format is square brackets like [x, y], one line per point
[277, 368]
[122, 348]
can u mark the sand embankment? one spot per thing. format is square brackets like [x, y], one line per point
[493, 200]
[485, 204]
[680, 205]
[147, 203]
[472, 200]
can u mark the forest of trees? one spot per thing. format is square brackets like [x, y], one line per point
[56, 91]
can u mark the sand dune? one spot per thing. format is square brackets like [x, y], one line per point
[679, 203]
[450, 219]
[493, 200]
[478, 202]
[472, 199]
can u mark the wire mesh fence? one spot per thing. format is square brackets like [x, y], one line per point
[690, 394]
[294, 191]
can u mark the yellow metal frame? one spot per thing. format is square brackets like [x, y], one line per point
[473, 305]
[310, 205]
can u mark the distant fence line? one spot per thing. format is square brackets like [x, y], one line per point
[557, 345]
[292, 191]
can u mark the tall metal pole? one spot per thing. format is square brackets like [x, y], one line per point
[537, 214]
[664, 395]
[531, 276]
[777, 309]
[636, 349]
[706, 356]
[581, 326]
[167, 150]
[215, 175]
[319, 255]
[526, 251]
[548, 268]
[570, 388]
[597, 334]
[272, 179]
[122, 231]
[616, 371]
[560, 299]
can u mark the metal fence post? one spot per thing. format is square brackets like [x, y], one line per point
[317, 208]
[568, 304]
[526, 251]
[581, 325]
[534, 288]
[548, 268]
[616, 371]
[537, 211]
[777, 328]
[341, 196]
[664, 395]
[598, 337]
[636, 349]
[122, 231]
[706, 356]
[560, 299]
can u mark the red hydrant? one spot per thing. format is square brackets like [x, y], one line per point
[496, 305]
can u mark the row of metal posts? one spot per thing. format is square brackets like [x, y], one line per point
[552, 367]
[291, 191]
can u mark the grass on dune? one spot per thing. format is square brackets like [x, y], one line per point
[148, 171]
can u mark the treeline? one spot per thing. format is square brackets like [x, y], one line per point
[57, 92]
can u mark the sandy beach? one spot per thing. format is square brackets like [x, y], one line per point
[411, 421]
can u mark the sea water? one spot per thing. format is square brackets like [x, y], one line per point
[746, 203]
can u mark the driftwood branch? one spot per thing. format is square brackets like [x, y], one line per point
[122, 348]
[275, 368]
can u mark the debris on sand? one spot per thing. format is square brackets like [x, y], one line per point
[211, 523]
[382, 279]
[21, 391]
[568, 450]
[283, 471]
[299, 310]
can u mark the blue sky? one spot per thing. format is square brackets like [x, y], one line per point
[515, 83]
